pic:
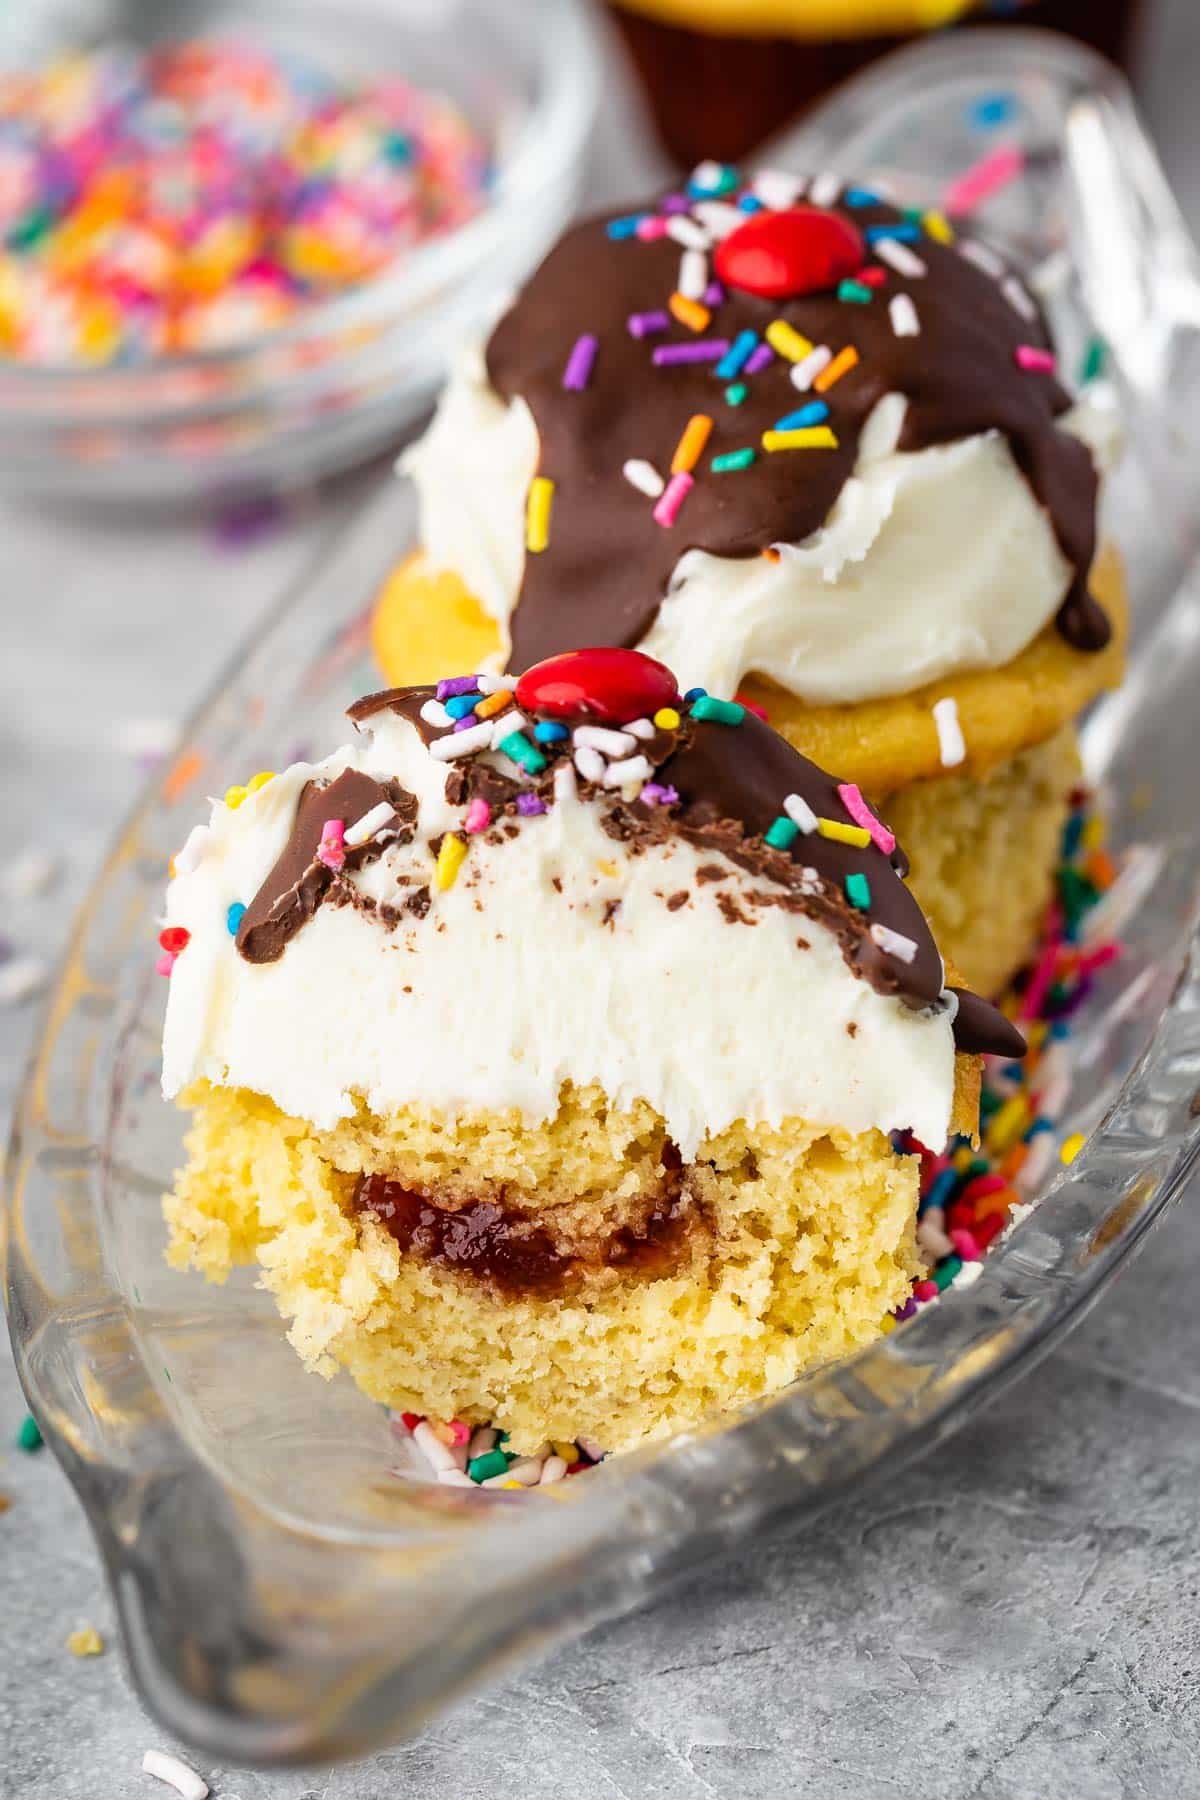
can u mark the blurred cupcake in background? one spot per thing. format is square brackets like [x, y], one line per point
[722, 75]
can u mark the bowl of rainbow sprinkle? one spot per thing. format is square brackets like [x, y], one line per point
[235, 245]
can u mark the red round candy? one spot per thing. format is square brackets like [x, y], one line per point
[781, 255]
[605, 683]
[174, 938]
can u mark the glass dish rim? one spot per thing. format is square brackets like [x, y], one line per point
[631, 1498]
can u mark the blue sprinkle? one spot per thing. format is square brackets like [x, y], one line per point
[941, 1189]
[696, 693]
[732, 362]
[815, 413]
[992, 110]
[234, 917]
[1072, 833]
[860, 196]
[459, 705]
[549, 731]
[908, 234]
[1038, 1129]
[749, 203]
[626, 227]
[1061, 1028]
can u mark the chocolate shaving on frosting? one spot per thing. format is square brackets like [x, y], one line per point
[732, 782]
[607, 565]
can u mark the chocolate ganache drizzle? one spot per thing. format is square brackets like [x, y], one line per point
[965, 371]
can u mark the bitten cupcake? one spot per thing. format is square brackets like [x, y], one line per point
[544, 1048]
[810, 450]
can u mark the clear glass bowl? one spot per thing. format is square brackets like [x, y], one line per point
[346, 375]
[281, 1594]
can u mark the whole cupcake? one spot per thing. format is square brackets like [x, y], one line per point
[544, 1049]
[812, 451]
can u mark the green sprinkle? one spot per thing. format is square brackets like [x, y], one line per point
[481, 1467]
[31, 228]
[732, 459]
[722, 712]
[858, 891]
[29, 1438]
[736, 392]
[1094, 359]
[522, 751]
[946, 1271]
[782, 834]
[857, 292]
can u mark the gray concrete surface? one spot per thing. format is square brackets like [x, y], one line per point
[1017, 1618]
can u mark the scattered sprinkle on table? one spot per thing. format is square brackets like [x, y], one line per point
[176, 1774]
[86, 1642]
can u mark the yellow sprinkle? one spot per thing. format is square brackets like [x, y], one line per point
[234, 797]
[666, 718]
[260, 780]
[887, 1324]
[689, 312]
[690, 447]
[1094, 833]
[1036, 1032]
[844, 834]
[841, 365]
[789, 342]
[537, 513]
[511, 1484]
[962, 1160]
[809, 437]
[568, 1452]
[86, 1642]
[1008, 1124]
[938, 226]
[1071, 1148]
[494, 703]
[450, 859]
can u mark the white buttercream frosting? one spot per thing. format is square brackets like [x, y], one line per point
[932, 561]
[554, 957]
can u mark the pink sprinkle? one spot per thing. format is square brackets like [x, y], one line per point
[674, 495]
[580, 363]
[925, 1290]
[1040, 980]
[965, 1244]
[331, 851]
[479, 815]
[760, 712]
[460, 1432]
[1099, 958]
[984, 179]
[861, 813]
[650, 228]
[1038, 362]
[165, 964]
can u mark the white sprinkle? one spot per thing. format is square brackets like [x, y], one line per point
[805, 372]
[590, 763]
[950, 738]
[1051, 276]
[1017, 298]
[455, 1478]
[176, 1774]
[931, 1237]
[905, 322]
[644, 477]
[899, 256]
[434, 713]
[800, 813]
[706, 174]
[528, 1471]
[564, 783]
[625, 774]
[21, 979]
[893, 943]
[718, 217]
[596, 737]
[506, 724]
[195, 845]
[777, 189]
[436, 1454]
[483, 1439]
[983, 257]
[825, 188]
[685, 231]
[693, 274]
[30, 872]
[462, 743]
[967, 1275]
[370, 823]
[496, 684]
[553, 1469]
[641, 728]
